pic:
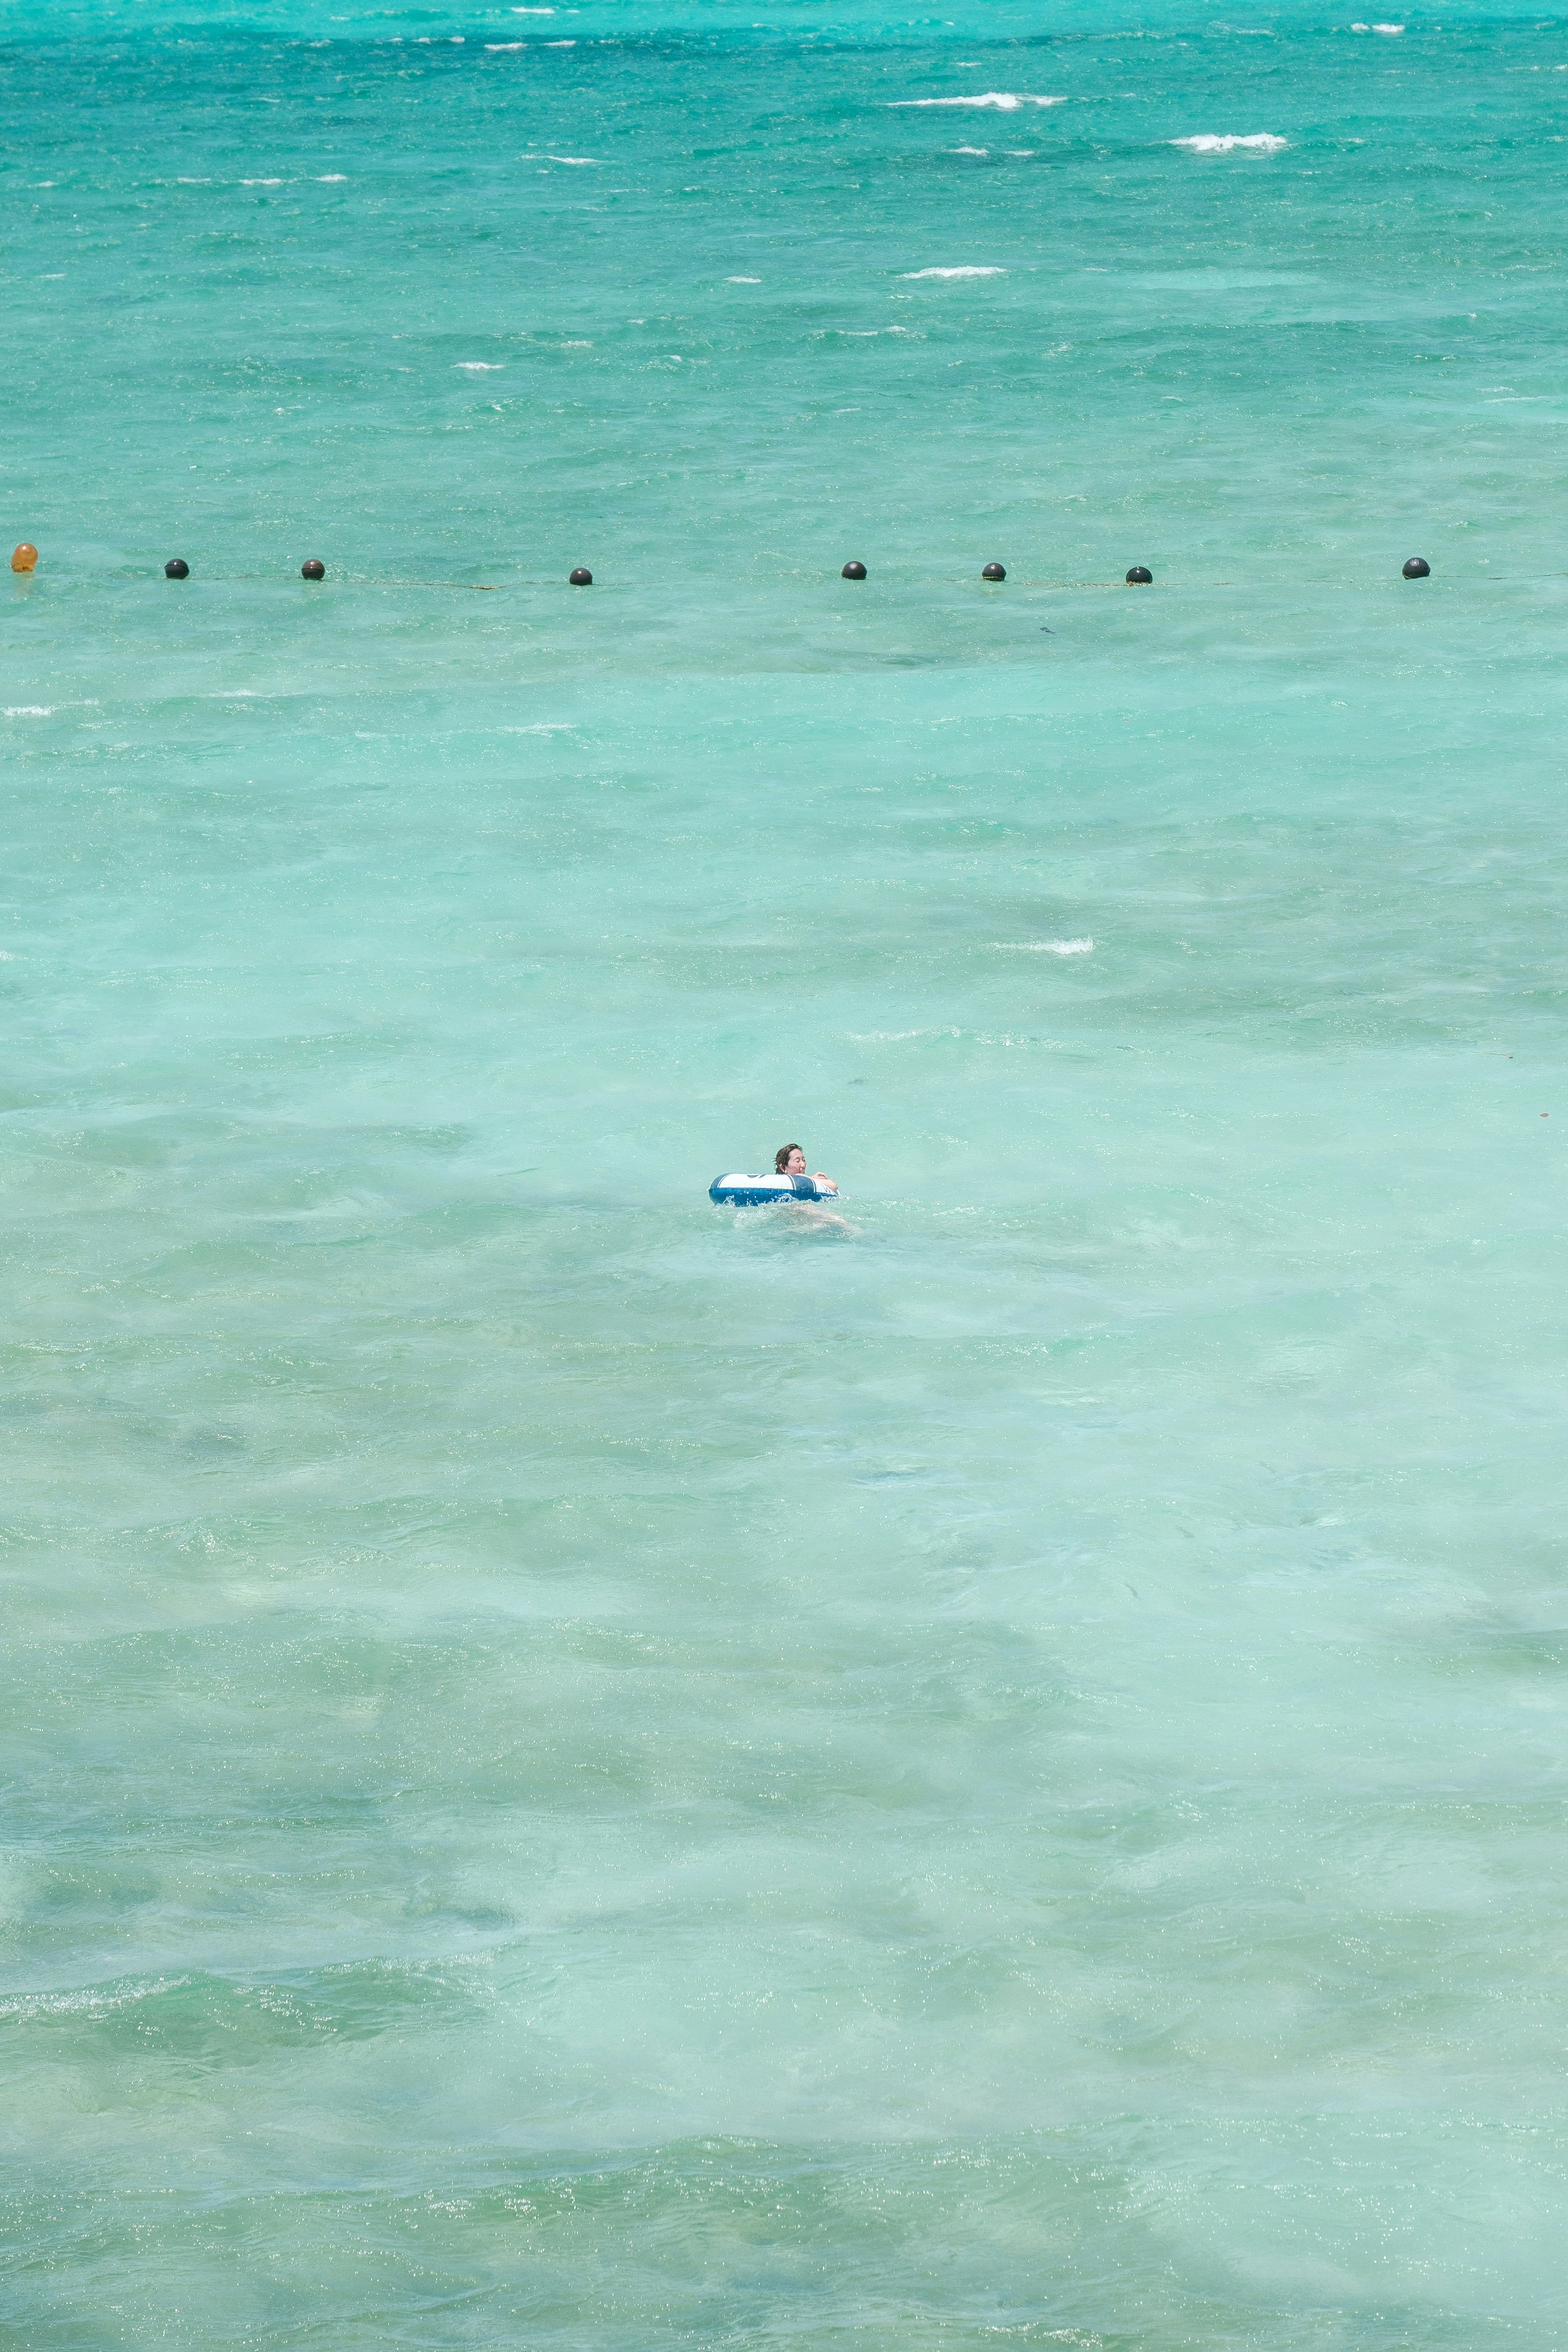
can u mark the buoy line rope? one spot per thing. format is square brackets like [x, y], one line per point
[25, 561]
[506, 587]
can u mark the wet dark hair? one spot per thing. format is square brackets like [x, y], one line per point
[783, 1153]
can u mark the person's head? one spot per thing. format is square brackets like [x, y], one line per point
[789, 1159]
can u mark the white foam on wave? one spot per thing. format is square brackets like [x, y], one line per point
[1044, 947]
[479, 367]
[969, 271]
[574, 159]
[969, 150]
[1377, 29]
[896, 1036]
[261, 183]
[91, 2000]
[495, 47]
[1007, 100]
[29, 710]
[1211, 143]
[559, 45]
[331, 179]
[743, 281]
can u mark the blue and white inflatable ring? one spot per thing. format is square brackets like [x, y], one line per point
[762, 1191]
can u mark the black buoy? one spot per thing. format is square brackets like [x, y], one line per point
[1418, 568]
[1140, 576]
[853, 572]
[581, 578]
[314, 570]
[994, 572]
[178, 569]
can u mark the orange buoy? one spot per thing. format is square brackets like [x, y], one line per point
[26, 557]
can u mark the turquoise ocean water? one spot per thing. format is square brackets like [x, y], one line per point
[590, 1772]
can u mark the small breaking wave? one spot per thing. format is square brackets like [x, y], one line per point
[479, 367]
[896, 1036]
[90, 2000]
[1007, 100]
[29, 710]
[1210, 143]
[969, 271]
[1044, 947]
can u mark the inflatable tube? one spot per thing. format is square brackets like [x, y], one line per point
[762, 1191]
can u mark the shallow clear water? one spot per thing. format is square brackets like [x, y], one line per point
[586, 1771]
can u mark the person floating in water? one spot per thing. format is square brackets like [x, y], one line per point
[789, 1159]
